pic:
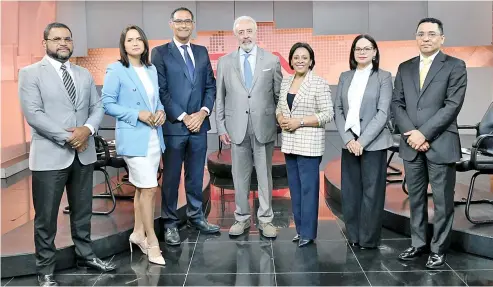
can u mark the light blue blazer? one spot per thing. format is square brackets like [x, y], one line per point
[124, 96]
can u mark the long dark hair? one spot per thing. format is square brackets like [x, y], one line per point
[144, 58]
[375, 61]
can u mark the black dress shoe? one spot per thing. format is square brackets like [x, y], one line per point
[296, 238]
[172, 237]
[412, 253]
[354, 244]
[97, 264]
[304, 242]
[47, 280]
[368, 247]
[204, 226]
[435, 261]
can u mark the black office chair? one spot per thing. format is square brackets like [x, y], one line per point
[480, 159]
[102, 161]
[394, 171]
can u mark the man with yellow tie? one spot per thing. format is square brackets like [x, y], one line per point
[428, 95]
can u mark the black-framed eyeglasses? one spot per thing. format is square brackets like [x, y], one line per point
[58, 40]
[186, 22]
[365, 49]
[430, 35]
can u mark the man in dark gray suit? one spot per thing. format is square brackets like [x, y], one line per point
[428, 95]
[63, 108]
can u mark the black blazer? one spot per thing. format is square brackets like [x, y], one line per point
[432, 110]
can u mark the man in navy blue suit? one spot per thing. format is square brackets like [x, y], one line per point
[187, 89]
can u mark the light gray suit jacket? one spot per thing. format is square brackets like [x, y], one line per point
[234, 103]
[49, 111]
[374, 111]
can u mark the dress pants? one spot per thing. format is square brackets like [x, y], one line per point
[363, 184]
[190, 150]
[304, 185]
[419, 173]
[244, 156]
[48, 187]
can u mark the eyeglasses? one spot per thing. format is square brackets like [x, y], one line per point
[186, 22]
[430, 35]
[365, 49]
[58, 40]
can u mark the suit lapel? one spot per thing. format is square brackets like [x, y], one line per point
[136, 80]
[415, 73]
[196, 58]
[179, 59]
[345, 87]
[50, 70]
[78, 84]
[436, 66]
[372, 80]
[303, 90]
[259, 64]
[154, 84]
[236, 64]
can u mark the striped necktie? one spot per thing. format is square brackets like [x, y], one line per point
[68, 83]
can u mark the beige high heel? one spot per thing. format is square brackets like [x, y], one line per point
[142, 244]
[155, 259]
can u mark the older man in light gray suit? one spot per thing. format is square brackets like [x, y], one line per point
[248, 85]
[60, 102]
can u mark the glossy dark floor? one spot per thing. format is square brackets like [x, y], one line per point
[251, 260]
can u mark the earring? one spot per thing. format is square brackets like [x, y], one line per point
[374, 58]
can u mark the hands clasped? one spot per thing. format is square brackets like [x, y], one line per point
[289, 124]
[78, 139]
[417, 141]
[195, 120]
[354, 147]
[153, 120]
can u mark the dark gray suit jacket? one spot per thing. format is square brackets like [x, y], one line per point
[432, 110]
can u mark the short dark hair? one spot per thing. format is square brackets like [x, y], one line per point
[144, 58]
[50, 26]
[375, 61]
[431, 20]
[180, 9]
[308, 48]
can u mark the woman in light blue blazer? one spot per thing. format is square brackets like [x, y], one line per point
[131, 95]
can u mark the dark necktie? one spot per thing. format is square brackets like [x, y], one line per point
[68, 83]
[188, 62]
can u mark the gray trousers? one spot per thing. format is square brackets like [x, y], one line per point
[244, 156]
[419, 173]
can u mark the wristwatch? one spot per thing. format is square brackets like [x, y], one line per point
[302, 123]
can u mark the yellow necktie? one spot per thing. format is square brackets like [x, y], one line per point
[424, 71]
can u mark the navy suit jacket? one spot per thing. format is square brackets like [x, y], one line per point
[177, 91]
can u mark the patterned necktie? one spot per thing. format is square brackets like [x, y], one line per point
[188, 62]
[247, 70]
[68, 83]
[424, 71]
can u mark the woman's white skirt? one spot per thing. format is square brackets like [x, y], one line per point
[143, 169]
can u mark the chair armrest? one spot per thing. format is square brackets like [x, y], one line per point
[475, 150]
[102, 142]
[106, 129]
[468, 127]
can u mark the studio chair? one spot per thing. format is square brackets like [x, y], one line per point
[393, 171]
[478, 158]
[102, 161]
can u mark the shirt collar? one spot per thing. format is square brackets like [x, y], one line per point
[57, 65]
[432, 57]
[178, 44]
[367, 69]
[253, 52]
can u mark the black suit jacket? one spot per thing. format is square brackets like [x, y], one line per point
[432, 110]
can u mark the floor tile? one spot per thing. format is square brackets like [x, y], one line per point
[152, 277]
[232, 257]
[5, 281]
[477, 278]
[321, 256]
[415, 278]
[464, 261]
[63, 280]
[385, 258]
[322, 279]
[230, 280]
[177, 260]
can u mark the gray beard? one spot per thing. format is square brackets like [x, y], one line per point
[247, 47]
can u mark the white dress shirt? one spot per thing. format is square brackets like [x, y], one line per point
[57, 65]
[432, 57]
[355, 96]
[182, 52]
[252, 59]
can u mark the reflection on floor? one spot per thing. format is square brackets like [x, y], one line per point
[251, 260]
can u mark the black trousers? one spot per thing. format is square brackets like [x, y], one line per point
[48, 187]
[419, 173]
[363, 184]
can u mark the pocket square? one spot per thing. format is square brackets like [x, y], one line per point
[265, 70]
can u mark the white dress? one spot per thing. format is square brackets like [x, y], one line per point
[143, 170]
